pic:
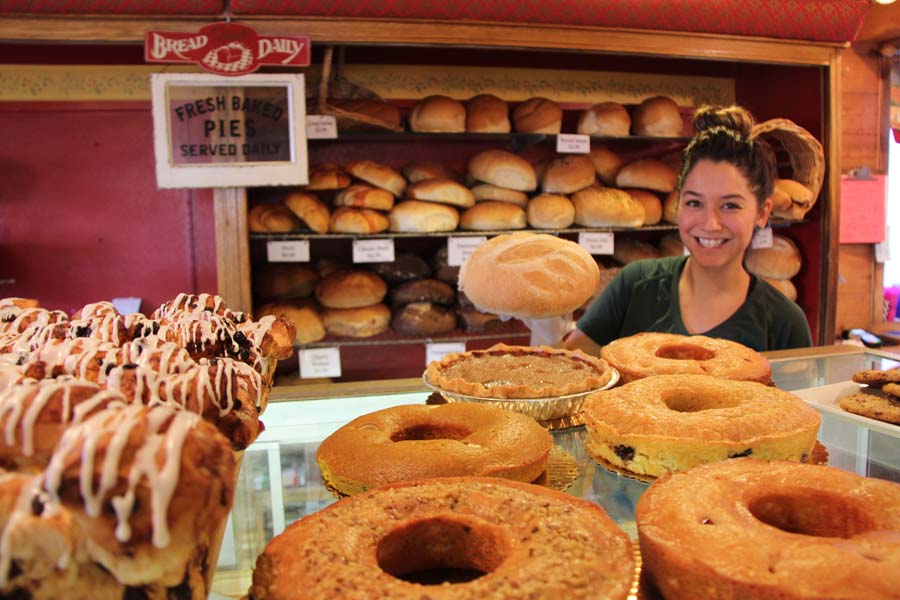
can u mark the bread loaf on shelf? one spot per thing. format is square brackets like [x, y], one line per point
[350, 289]
[438, 114]
[605, 119]
[550, 211]
[491, 215]
[487, 113]
[503, 169]
[657, 117]
[568, 174]
[607, 207]
[421, 216]
[379, 175]
[537, 115]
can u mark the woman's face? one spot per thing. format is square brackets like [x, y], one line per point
[717, 213]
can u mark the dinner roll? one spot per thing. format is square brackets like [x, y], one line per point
[537, 115]
[486, 191]
[347, 219]
[438, 114]
[309, 209]
[362, 195]
[423, 216]
[445, 191]
[503, 169]
[491, 215]
[327, 176]
[550, 211]
[529, 275]
[647, 174]
[487, 113]
[605, 118]
[271, 218]
[606, 207]
[378, 175]
[350, 289]
[657, 117]
[568, 174]
[606, 163]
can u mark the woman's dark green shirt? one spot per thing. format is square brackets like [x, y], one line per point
[644, 297]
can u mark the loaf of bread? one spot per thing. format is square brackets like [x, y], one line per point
[607, 207]
[422, 290]
[379, 175]
[647, 174]
[350, 289]
[606, 163]
[657, 117]
[487, 113]
[503, 169]
[670, 208]
[347, 219]
[406, 266]
[529, 275]
[568, 174]
[781, 261]
[606, 119]
[438, 114]
[550, 211]
[537, 115]
[491, 215]
[303, 315]
[361, 322]
[423, 319]
[327, 176]
[285, 280]
[420, 170]
[653, 207]
[309, 209]
[422, 216]
[271, 218]
[486, 191]
[445, 191]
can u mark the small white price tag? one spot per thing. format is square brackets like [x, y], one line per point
[597, 242]
[762, 238]
[292, 251]
[459, 248]
[321, 127]
[573, 143]
[368, 251]
[320, 362]
[435, 352]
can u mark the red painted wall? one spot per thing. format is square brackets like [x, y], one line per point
[81, 218]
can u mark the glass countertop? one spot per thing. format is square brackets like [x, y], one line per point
[280, 481]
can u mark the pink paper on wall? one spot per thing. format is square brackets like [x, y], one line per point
[862, 210]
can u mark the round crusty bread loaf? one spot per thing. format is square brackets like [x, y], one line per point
[606, 163]
[529, 275]
[423, 216]
[487, 113]
[445, 191]
[307, 320]
[347, 219]
[492, 215]
[362, 195]
[657, 117]
[652, 205]
[647, 174]
[361, 322]
[350, 289]
[327, 176]
[568, 174]
[781, 261]
[486, 191]
[550, 211]
[670, 207]
[378, 175]
[607, 207]
[537, 115]
[271, 218]
[605, 118]
[503, 169]
[309, 209]
[438, 114]
[423, 319]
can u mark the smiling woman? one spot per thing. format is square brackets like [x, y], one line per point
[724, 185]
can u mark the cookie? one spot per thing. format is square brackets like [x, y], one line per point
[875, 378]
[873, 405]
[893, 389]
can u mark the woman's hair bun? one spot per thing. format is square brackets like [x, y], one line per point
[732, 117]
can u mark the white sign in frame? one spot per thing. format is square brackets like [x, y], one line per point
[204, 128]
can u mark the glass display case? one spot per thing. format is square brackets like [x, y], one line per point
[280, 481]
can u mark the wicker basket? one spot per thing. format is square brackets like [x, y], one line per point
[331, 86]
[797, 148]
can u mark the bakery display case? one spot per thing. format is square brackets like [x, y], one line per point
[281, 482]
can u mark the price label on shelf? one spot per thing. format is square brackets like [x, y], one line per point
[437, 351]
[368, 251]
[320, 362]
[459, 248]
[321, 127]
[597, 242]
[762, 238]
[293, 251]
[573, 143]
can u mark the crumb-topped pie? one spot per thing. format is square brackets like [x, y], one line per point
[503, 371]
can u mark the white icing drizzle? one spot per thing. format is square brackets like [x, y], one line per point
[166, 429]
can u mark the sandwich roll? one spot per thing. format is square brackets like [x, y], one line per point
[607, 119]
[503, 169]
[491, 215]
[550, 211]
[327, 176]
[537, 115]
[486, 191]
[271, 218]
[347, 219]
[422, 216]
[428, 169]
[529, 275]
[438, 114]
[657, 117]
[445, 191]
[350, 289]
[607, 207]
[309, 209]
[781, 261]
[568, 174]
[362, 195]
[647, 174]
[606, 163]
[487, 113]
[379, 175]
[653, 207]
[361, 322]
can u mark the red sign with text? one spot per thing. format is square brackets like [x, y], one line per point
[227, 49]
